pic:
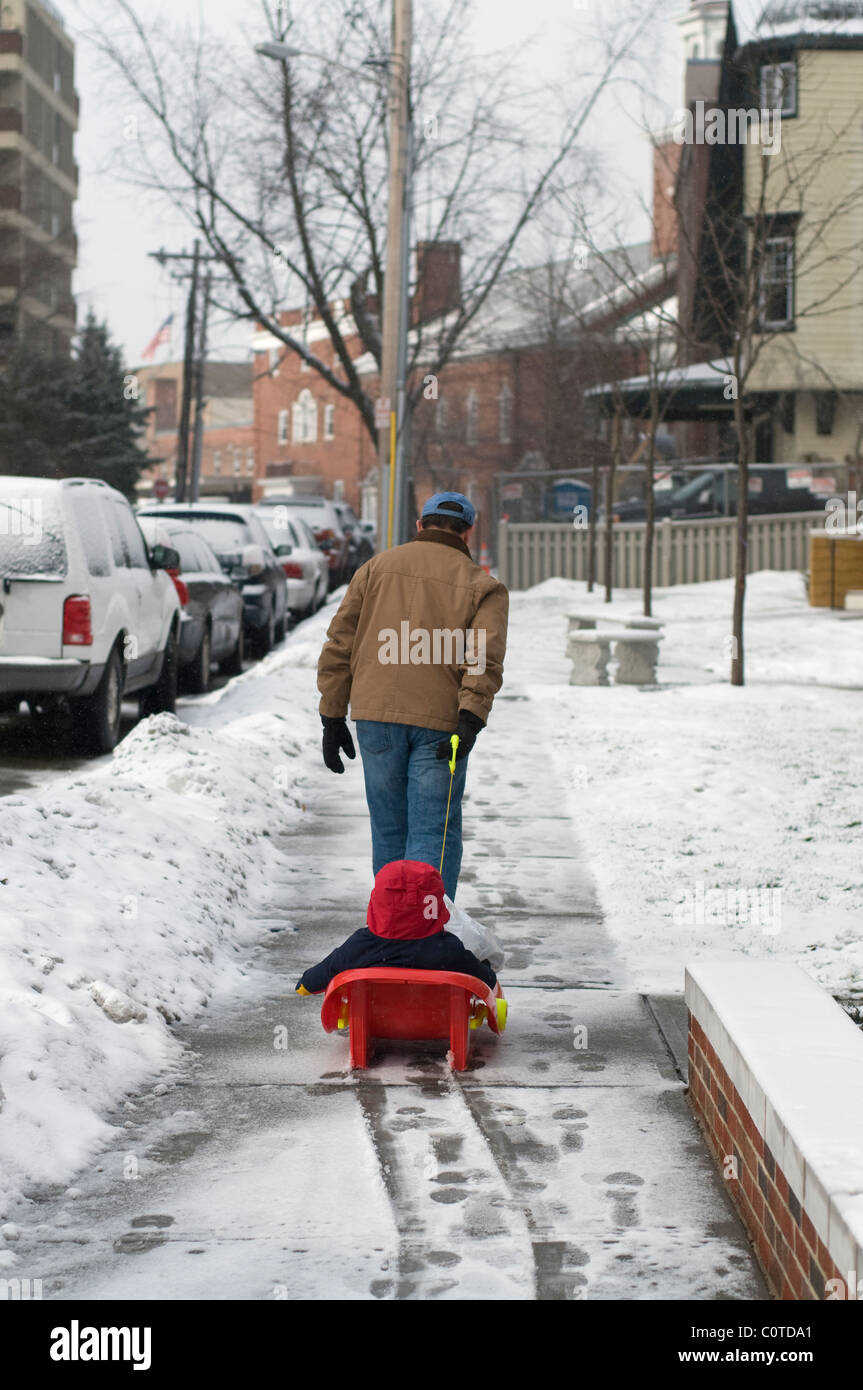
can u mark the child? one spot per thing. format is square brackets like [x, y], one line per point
[406, 919]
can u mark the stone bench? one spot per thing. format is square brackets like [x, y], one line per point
[589, 653]
[637, 655]
[586, 622]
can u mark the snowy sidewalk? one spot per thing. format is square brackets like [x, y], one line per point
[564, 1164]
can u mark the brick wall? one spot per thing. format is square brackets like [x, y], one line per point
[773, 1066]
[795, 1260]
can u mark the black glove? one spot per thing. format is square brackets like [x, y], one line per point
[337, 738]
[469, 726]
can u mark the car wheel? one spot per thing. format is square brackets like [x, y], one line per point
[233, 664]
[161, 698]
[198, 671]
[265, 637]
[99, 714]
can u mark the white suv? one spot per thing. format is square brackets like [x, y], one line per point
[87, 613]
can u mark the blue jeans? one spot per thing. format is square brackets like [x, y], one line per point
[406, 791]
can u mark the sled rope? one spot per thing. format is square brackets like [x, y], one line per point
[454, 745]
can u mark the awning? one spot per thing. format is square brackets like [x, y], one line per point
[696, 392]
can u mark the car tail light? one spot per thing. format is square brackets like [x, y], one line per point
[292, 569]
[77, 621]
[182, 589]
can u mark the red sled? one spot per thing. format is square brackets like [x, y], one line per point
[386, 1002]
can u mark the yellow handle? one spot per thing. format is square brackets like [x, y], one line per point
[454, 741]
[301, 989]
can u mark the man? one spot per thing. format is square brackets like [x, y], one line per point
[417, 648]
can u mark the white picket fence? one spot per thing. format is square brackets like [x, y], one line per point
[684, 552]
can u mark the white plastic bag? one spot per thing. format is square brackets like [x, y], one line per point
[474, 936]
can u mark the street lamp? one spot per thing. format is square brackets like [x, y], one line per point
[392, 442]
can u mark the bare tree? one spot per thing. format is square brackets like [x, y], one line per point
[282, 169]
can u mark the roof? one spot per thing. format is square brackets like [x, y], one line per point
[693, 392]
[787, 19]
[525, 302]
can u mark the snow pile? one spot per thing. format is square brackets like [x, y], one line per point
[126, 902]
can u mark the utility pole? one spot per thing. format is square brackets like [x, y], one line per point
[188, 368]
[200, 370]
[394, 325]
[196, 258]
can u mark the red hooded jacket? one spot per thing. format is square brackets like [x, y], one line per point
[406, 919]
[407, 901]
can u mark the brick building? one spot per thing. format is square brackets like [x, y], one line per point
[228, 455]
[510, 399]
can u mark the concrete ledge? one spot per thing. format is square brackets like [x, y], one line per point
[776, 1080]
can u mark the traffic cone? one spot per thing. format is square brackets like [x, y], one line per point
[484, 558]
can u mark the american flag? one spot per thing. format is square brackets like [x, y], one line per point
[163, 336]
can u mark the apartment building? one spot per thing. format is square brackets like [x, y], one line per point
[38, 176]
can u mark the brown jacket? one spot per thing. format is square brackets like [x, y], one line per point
[420, 634]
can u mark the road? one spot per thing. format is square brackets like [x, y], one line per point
[564, 1164]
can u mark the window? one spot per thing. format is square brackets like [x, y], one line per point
[275, 355]
[504, 414]
[187, 549]
[777, 284]
[441, 413]
[217, 461]
[282, 435]
[329, 422]
[109, 516]
[305, 419]
[472, 418]
[250, 461]
[238, 460]
[133, 541]
[779, 88]
[91, 530]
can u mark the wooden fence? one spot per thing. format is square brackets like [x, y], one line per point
[684, 552]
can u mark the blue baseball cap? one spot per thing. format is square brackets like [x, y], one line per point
[450, 504]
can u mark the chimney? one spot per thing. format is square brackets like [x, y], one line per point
[438, 287]
[666, 163]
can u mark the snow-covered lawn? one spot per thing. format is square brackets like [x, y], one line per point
[133, 894]
[717, 821]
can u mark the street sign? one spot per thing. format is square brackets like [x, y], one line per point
[383, 406]
[511, 492]
[161, 487]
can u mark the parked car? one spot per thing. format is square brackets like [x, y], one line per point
[211, 626]
[359, 542]
[88, 613]
[323, 520]
[305, 564]
[714, 493]
[246, 555]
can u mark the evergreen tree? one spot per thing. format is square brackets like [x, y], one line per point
[104, 420]
[63, 418]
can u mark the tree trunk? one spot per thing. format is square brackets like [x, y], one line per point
[611, 481]
[594, 509]
[650, 514]
[742, 552]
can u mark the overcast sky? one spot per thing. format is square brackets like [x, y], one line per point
[118, 227]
